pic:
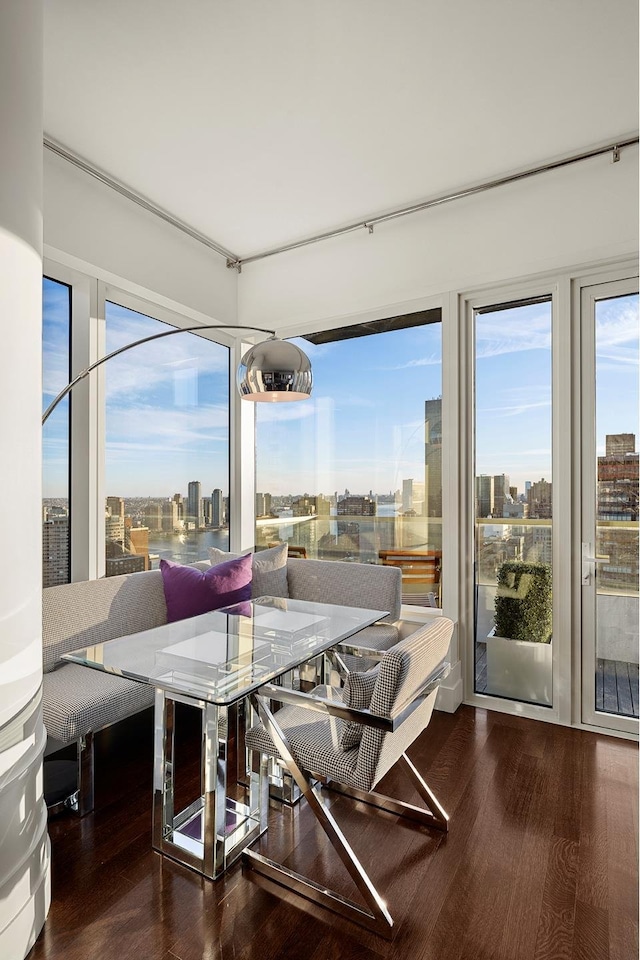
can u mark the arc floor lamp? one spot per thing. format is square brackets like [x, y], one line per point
[272, 371]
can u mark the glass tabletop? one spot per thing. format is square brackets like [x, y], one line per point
[221, 656]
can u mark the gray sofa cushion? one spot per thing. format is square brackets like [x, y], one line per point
[352, 584]
[76, 700]
[76, 615]
[379, 636]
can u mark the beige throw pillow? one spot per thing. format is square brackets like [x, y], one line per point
[269, 570]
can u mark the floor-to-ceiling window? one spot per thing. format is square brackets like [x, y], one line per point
[355, 473]
[513, 501]
[56, 350]
[167, 445]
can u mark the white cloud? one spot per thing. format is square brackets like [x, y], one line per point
[518, 400]
[617, 339]
[159, 428]
[285, 412]
[501, 333]
[155, 364]
[434, 360]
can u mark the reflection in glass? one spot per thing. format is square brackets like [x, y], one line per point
[355, 473]
[513, 501]
[167, 445]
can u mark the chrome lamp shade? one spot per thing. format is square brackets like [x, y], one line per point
[274, 371]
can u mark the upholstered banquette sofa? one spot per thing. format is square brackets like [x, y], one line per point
[78, 702]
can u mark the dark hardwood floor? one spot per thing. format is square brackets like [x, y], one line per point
[540, 862]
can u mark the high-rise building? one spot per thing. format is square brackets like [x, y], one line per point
[194, 504]
[618, 488]
[116, 566]
[263, 504]
[217, 508]
[114, 520]
[620, 444]
[500, 493]
[171, 522]
[618, 479]
[303, 506]
[137, 542]
[412, 496]
[514, 509]
[115, 506]
[153, 516]
[356, 507]
[433, 458]
[484, 496]
[55, 551]
[539, 500]
[538, 543]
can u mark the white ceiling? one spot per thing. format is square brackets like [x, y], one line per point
[264, 121]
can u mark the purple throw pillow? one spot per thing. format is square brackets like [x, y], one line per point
[190, 592]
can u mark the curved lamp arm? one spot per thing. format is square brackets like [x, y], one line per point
[253, 395]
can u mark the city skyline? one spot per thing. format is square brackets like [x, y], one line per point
[167, 404]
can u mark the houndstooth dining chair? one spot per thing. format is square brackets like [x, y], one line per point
[347, 739]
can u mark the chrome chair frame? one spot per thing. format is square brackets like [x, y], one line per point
[375, 916]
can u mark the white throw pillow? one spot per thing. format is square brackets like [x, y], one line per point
[269, 569]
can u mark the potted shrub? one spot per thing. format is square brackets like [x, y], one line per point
[519, 647]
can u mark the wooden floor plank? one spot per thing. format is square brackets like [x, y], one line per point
[591, 941]
[593, 888]
[520, 926]
[622, 850]
[557, 916]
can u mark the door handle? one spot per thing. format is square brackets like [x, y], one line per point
[589, 562]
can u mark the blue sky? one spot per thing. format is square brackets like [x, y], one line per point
[55, 376]
[363, 427]
[167, 410]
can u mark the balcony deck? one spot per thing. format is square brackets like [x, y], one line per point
[616, 683]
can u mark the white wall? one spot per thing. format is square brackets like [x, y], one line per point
[93, 226]
[24, 845]
[582, 213]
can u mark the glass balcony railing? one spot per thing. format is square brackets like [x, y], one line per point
[414, 543]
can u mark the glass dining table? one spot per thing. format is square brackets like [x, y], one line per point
[213, 662]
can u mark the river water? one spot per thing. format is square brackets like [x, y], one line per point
[186, 547]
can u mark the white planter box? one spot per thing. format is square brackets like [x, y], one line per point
[519, 669]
